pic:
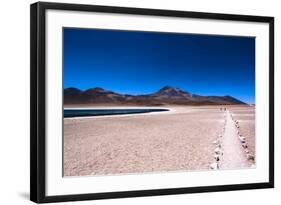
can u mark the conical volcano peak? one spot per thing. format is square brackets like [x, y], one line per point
[170, 89]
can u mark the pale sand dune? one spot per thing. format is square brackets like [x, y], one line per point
[180, 140]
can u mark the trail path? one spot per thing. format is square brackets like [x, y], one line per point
[233, 153]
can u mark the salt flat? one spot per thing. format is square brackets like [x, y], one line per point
[176, 141]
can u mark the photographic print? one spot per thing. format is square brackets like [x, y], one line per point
[140, 102]
[132, 102]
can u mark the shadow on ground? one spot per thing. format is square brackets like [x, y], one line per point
[24, 195]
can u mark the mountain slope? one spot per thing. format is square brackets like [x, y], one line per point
[165, 96]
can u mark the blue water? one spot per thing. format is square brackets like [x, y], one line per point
[101, 112]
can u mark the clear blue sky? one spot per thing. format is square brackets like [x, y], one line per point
[132, 62]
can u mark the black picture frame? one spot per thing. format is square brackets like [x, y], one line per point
[38, 101]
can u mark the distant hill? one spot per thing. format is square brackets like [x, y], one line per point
[165, 96]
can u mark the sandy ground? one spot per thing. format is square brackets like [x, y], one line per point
[246, 119]
[179, 140]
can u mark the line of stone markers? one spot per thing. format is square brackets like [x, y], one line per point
[244, 144]
[218, 152]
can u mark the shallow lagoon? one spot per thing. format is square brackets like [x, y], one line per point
[102, 112]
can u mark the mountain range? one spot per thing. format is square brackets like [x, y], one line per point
[165, 96]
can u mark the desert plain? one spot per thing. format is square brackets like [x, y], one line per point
[186, 138]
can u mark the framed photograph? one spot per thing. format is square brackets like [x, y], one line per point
[129, 102]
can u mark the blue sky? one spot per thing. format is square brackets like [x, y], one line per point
[135, 62]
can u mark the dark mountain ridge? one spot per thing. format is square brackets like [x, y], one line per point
[165, 96]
